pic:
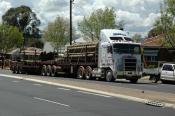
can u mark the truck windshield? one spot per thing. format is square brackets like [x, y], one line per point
[116, 38]
[128, 39]
[127, 48]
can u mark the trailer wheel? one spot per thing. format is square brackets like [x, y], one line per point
[17, 69]
[53, 72]
[88, 73]
[44, 70]
[13, 69]
[109, 76]
[49, 70]
[80, 72]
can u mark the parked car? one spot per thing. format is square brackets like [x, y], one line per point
[167, 72]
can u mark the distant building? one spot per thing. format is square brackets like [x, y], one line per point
[154, 51]
[151, 48]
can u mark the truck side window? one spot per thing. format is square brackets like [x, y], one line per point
[109, 49]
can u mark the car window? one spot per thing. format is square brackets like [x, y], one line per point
[174, 67]
[167, 68]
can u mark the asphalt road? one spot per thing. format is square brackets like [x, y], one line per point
[24, 98]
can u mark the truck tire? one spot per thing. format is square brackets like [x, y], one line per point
[88, 73]
[49, 70]
[44, 70]
[13, 69]
[154, 78]
[80, 72]
[53, 72]
[17, 70]
[134, 80]
[109, 76]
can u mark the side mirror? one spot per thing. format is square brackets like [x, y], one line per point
[109, 49]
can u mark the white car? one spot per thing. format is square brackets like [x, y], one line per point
[167, 72]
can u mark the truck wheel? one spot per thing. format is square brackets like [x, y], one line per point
[88, 73]
[44, 70]
[49, 70]
[13, 69]
[109, 76]
[134, 80]
[80, 72]
[155, 78]
[53, 73]
[17, 70]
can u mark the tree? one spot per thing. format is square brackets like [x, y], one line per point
[23, 18]
[91, 25]
[166, 23]
[10, 37]
[57, 32]
[12, 16]
[137, 37]
[154, 32]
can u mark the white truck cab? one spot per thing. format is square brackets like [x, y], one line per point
[167, 72]
[118, 56]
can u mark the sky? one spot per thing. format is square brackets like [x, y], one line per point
[138, 15]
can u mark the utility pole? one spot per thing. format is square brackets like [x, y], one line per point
[71, 2]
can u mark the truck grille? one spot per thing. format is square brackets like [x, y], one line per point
[130, 64]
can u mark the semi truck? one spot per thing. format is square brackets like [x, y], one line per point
[114, 56]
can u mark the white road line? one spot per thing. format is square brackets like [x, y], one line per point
[64, 89]
[16, 81]
[101, 95]
[36, 84]
[49, 101]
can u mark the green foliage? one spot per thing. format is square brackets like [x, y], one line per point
[57, 32]
[91, 25]
[165, 24]
[10, 37]
[154, 32]
[20, 17]
[10, 17]
[137, 37]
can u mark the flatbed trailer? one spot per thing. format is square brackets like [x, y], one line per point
[76, 56]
